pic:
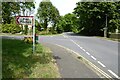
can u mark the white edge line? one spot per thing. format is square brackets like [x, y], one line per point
[87, 53]
[76, 44]
[83, 50]
[101, 64]
[93, 57]
[113, 73]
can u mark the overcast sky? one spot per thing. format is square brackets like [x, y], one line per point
[64, 6]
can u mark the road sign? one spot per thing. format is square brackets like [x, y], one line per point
[25, 20]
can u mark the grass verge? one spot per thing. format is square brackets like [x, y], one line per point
[19, 62]
[112, 39]
[47, 33]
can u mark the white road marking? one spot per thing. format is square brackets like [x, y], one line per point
[101, 64]
[93, 57]
[77, 44]
[83, 50]
[87, 53]
[113, 74]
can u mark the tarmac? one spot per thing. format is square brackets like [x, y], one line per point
[70, 66]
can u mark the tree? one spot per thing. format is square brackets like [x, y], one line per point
[9, 9]
[60, 24]
[27, 7]
[92, 16]
[68, 22]
[12, 9]
[47, 13]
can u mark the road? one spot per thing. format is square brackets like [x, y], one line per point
[103, 53]
[69, 65]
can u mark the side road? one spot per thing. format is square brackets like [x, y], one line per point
[69, 66]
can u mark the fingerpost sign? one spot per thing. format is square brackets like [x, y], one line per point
[27, 20]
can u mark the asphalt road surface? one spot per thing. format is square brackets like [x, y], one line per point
[69, 65]
[103, 53]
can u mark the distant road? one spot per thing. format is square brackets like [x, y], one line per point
[103, 53]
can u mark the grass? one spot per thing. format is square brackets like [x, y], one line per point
[19, 62]
[112, 39]
[47, 33]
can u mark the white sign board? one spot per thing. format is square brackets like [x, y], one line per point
[25, 20]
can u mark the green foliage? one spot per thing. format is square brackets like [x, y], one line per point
[59, 29]
[92, 16]
[11, 28]
[28, 40]
[47, 13]
[60, 25]
[37, 25]
[75, 29]
[0, 28]
[66, 23]
[10, 9]
[26, 29]
[36, 30]
[114, 24]
[28, 6]
[45, 33]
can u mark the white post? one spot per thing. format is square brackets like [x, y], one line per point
[34, 34]
[105, 29]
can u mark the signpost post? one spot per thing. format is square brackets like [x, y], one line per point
[27, 20]
[34, 35]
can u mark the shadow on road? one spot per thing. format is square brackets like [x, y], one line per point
[77, 34]
[56, 57]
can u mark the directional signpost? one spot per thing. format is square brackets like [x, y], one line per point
[27, 20]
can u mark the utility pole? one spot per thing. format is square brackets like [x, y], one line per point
[105, 29]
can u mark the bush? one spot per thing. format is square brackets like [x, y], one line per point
[28, 40]
[59, 29]
[75, 30]
[26, 29]
[11, 28]
[45, 33]
[0, 27]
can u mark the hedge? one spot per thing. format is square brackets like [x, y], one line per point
[11, 28]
